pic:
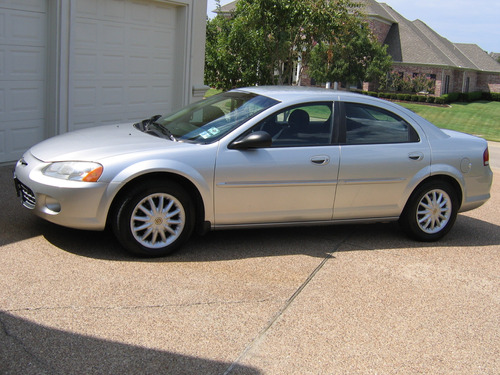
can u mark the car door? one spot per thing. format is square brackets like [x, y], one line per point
[293, 180]
[381, 154]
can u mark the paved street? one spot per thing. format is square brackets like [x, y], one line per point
[358, 299]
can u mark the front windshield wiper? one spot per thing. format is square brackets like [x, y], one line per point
[151, 126]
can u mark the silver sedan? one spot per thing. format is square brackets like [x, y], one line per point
[257, 157]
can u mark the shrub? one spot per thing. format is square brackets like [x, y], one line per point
[422, 99]
[486, 96]
[451, 97]
[414, 98]
[439, 100]
[473, 96]
[430, 99]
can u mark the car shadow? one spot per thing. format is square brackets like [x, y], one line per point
[30, 348]
[253, 243]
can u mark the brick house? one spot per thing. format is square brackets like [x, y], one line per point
[418, 50]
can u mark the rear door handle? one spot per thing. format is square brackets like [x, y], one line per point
[416, 156]
[320, 160]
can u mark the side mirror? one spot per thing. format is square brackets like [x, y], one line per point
[258, 139]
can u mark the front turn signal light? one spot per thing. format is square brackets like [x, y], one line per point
[93, 175]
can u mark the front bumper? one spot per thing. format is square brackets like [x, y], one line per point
[74, 204]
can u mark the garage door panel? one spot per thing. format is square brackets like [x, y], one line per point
[20, 63]
[26, 64]
[113, 36]
[139, 67]
[113, 97]
[88, 8]
[27, 102]
[23, 41]
[29, 132]
[86, 65]
[141, 11]
[20, 27]
[86, 34]
[158, 68]
[85, 98]
[16, 136]
[114, 9]
[27, 28]
[137, 35]
[31, 5]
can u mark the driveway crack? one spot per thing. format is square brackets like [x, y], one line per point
[16, 341]
[258, 339]
[134, 307]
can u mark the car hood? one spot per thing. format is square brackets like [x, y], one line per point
[98, 143]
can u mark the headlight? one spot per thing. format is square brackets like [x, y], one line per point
[74, 171]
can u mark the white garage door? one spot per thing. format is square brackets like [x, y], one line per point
[122, 62]
[23, 53]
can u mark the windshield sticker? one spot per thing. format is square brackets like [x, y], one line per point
[204, 135]
[214, 131]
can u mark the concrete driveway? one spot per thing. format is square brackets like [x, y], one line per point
[327, 300]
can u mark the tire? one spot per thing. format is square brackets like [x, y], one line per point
[154, 220]
[430, 212]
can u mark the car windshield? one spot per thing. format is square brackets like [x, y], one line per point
[209, 120]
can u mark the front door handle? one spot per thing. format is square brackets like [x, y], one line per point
[320, 160]
[416, 156]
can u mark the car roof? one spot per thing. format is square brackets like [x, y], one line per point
[290, 93]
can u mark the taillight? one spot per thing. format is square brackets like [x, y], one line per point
[486, 157]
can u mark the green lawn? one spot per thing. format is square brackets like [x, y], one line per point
[479, 118]
[211, 92]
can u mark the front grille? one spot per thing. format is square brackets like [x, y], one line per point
[26, 194]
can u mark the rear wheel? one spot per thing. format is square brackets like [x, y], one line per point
[430, 212]
[154, 220]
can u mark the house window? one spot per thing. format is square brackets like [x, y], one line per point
[467, 84]
[446, 88]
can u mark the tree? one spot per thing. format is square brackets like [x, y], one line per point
[352, 54]
[264, 39]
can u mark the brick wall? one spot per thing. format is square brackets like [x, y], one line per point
[379, 29]
[488, 82]
[409, 71]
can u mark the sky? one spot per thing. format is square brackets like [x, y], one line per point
[459, 21]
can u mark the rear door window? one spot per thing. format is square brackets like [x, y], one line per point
[365, 124]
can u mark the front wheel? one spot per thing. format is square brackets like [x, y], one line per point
[430, 212]
[154, 220]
